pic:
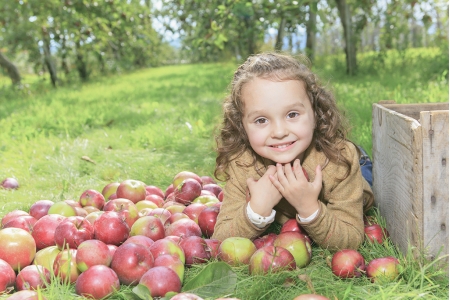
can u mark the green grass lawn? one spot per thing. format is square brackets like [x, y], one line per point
[151, 124]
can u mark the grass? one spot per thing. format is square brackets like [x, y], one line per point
[151, 124]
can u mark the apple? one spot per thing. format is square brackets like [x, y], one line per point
[91, 217]
[72, 203]
[375, 233]
[97, 282]
[298, 244]
[205, 192]
[81, 212]
[62, 208]
[206, 199]
[220, 196]
[154, 190]
[72, 231]
[168, 191]
[186, 296]
[213, 187]
[46, 257]
[7, 277]
[158, 200]
[65, 266]
[160, 213]
[207, 220]
[91, 253]
[184, 228]
[195, 249]
[112, 249]
[13, 214]
[149, 226]
[111, 228]
[109, 190]
[383, 269]
[92, 198]
[133, 190]
[31, 277]
[172, 262]
[292, 225]
[170, 197]
[265, 240]
[271, 259]
[213, 247]
[146, 204]
[40, 208]
[348, 263]
[236, 250]
[172, 202]
[167, 246]
[207, 179]
[175, 208]
[193, 210]
[174, 238]
[23, 222]
[125, 208]
[183, 175]
[175, 217]
[10, 183]
[141, 240]
[89, 209]
[157, 287]
[187, 190]
[130, 262]
[44, 230]
[311, 297]
[17, 247]
[26, 295]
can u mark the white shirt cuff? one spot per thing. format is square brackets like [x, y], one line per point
[258, 220]
[308, 219]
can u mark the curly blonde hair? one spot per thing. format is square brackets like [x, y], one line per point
[232, 141]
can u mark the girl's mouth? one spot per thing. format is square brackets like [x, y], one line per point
[282, 147]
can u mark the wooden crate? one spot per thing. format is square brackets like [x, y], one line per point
[410, 173]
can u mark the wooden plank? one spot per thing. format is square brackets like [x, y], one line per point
[413, 110]
[397, 174]
[435, 133]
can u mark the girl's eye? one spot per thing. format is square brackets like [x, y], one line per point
[292, 115]
[260, 121]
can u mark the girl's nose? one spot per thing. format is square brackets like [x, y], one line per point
[278, 130]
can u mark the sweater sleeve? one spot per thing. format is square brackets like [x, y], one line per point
[232, 220]
[339, 223]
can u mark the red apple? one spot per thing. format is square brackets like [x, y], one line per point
[193, 210]
[175, 208]
[160, 213]
[63, 209]
[298, 244]
[205, 192]
[265, 240]
[213, 247]
[347, 263]
[172, 262]
[206, 199]
[97, 282]
[26, 295]
[10, 183]
[7, 277]
[292, 225]
[12, 215]
[168, 191]
[207, 179]
[154, 190]
[81, 212]
[112, 249]
[91, 217]
[141, 240]
[157, 287]
[125, 208]
[92, 198]
[184, 228]
[72, 231]
[167, 246]
[236, 250]
[17, 247]
[183, 175]
[72, 203]
[207, 220]
[91, 253]
[46, 257]
[133, 190]
[89, 209]
[158, 200]
[149, 226]
[195, 250]
[187, 190]
[40, 208]
[271, 259]
[31, 277]
[146, 204]
[65, 266]
[110, 189]
[130, 262]
[375, 233]
[383, 269]
[111, 228]
[23, 222]
[44, 230]
[311, 297]
[175, 217]
[172, 202]
[213, 187]
[220, 196]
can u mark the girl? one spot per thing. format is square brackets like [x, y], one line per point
[279, 122]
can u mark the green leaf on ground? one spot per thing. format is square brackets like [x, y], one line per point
[142, 292]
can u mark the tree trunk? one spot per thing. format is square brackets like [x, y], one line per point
[81, 64]
[280, 34]
[350, 46]
[12, 70]
[311, 31]
[48, 58]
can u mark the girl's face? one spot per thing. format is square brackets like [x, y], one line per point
[278, 118]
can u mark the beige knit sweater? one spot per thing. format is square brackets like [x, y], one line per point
[339, 223]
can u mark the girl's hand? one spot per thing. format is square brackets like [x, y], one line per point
[295, 188]
[263, 194]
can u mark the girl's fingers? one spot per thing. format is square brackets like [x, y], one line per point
[317, 183]
[276, 183]
[289, 173]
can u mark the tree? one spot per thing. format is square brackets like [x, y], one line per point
[11, 69]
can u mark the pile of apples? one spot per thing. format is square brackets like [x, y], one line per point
[131, 233]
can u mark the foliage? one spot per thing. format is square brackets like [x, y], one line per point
[135, 126]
